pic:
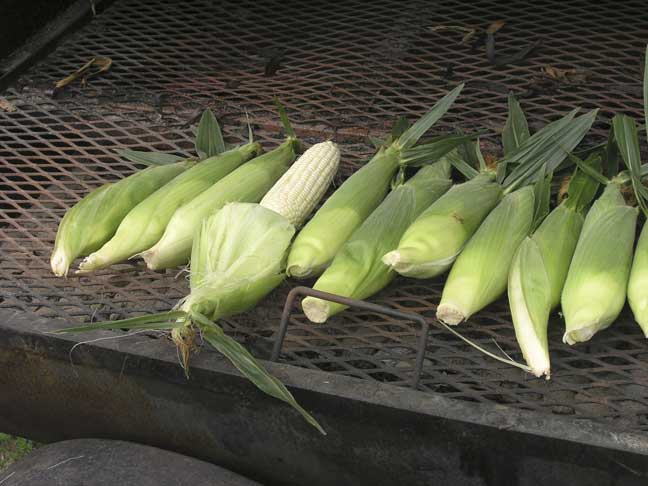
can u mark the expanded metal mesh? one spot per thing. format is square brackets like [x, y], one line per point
[344, 71]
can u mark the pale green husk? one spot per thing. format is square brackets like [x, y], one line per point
[480, 273]
[432, 243]
[357, 270]
[145, 223]
[248, 183]
[595, 289]
[638, 283]
[93, 221]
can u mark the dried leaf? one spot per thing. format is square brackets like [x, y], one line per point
[6, 105]
[468, 32]
[495, 26]
[85, 72]
[569, 76]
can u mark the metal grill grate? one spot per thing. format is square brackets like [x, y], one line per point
[346, 71]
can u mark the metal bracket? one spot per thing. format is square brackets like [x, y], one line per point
[358, 304]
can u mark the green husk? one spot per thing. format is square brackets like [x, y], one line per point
[343, 212]
[595, 289]
[357, 270]
[93, 221]
[248, 183]
[145, 223]
[539, 270]
[480, 273]
[638, 282]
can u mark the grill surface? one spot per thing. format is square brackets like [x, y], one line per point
[345, 71]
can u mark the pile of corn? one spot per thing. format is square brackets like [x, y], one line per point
[235, 216]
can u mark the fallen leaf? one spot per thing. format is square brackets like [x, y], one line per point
[495, 26]
[6, 105]
[84, 72]
[569, 76]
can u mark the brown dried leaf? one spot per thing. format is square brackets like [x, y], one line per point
[469, 32]
[6, 105]
[84, 72]
[569, 76]
[495, 26]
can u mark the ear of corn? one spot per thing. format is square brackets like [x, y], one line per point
[357, 270]
[145, 223]
[480, 274]
[432, 243]
[319, 241]
[248, 183]
[93, 221]
[539, 270]
[638, 283]
[595, 289]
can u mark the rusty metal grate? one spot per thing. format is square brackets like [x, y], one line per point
[346, 71]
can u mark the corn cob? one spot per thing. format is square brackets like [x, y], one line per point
[434, 241]
[357, 271]
[248, 183]
[93, 221]
[480, 273]
[316, 244]
[145, 223]
[595, 289]
[539, 270]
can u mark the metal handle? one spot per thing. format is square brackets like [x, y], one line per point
[359, 304]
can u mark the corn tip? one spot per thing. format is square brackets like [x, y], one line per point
[316, 310]
[60, 263]
[450, 314]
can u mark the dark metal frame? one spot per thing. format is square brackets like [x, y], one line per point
[358, 304]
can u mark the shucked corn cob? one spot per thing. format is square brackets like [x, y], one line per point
[248, 183]
[145, 223]
[94, 219]
[539, 270]
[319, 241]
[357, 270]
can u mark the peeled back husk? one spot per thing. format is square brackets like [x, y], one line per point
[432, 243]
[536, 280]
[93, 221]
[237, 257]
[144, 225]
[357, 270]
[638, 283]
[480, 274]
[595, 289]
[247, 183]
